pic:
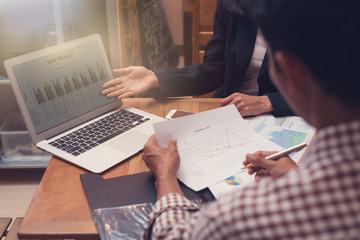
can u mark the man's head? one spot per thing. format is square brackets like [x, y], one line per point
[321, 37]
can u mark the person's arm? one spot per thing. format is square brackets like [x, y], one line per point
[164, 164]
[175, 217]
[199, 78]
[190, 80]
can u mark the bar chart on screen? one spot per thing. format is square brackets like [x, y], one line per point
[77, 82]
[65, 92]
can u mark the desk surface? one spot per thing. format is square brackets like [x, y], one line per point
[59, 208]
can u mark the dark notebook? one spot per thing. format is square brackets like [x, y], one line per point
[129, 190]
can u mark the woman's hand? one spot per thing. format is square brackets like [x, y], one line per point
[248, 105]
[132, 81]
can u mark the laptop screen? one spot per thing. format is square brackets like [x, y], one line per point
[62, 86]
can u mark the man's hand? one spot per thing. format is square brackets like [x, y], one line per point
[132, 81]
[164, 164]
[249, 105]
[265, 167]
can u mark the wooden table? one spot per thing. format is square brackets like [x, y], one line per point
[59, 209]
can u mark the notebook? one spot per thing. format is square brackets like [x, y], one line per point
[129, 190]
[58, 90]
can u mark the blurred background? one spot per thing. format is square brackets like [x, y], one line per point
[30, 25]
[125, 27]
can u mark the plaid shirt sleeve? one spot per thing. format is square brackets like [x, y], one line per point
[168, 219]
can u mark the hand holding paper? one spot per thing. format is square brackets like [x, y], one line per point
[211, 145]
[164, 164]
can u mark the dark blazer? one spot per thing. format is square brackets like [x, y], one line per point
[226, 61]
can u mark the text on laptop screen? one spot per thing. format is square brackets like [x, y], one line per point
[62, 86]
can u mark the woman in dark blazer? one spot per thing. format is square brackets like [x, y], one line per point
[224, 69]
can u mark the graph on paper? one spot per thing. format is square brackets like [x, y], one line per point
[212, 145]
[284, 131]
[217, 152]
[218, 144]
[287, 135]
[63, 85]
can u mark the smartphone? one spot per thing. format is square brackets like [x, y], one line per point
[174, 113]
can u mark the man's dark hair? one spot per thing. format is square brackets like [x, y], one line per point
[323, 34]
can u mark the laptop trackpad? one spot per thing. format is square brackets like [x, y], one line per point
[130, 143]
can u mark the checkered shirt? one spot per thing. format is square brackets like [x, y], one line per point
[318, 200]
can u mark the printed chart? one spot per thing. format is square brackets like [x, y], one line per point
[212, 145]
[232, 183]
[285, 131]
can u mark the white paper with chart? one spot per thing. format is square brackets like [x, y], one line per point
[284, 131]
[212, 145]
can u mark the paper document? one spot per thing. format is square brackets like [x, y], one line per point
[232, 183]
[212, 145]
[283, 131]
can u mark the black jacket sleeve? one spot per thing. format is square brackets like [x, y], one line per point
[199, 78]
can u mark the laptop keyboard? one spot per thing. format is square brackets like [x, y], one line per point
[98, 132]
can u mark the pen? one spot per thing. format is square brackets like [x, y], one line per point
[280, 154]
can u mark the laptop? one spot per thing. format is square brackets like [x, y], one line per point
[58, 90]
